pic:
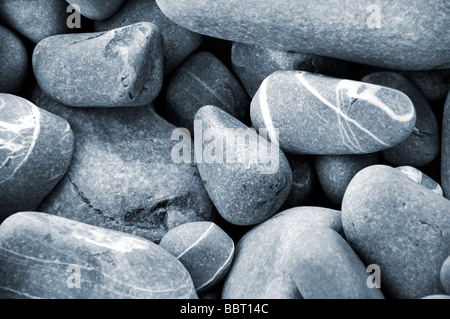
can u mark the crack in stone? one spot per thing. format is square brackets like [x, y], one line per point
[434, 227]
[418, 132]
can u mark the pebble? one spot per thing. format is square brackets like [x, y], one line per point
[398, 36]
[35, 151]
[13, 62]
[203, 80]
[204, 249]
[97, 9]
[321, 115]
[248, 182]
[122, 175]
[421, 178]
[445, 275]
[253, 64]
[37, 19]
[422, 146]
[49, 257]
[121, 67]
[437, 297]
[399, 225]
[178, 41]
[445, 149]
[433, 84]
[335, 172]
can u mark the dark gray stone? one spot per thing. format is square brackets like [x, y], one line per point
[97, 9]
[434, 84]
[401, 226]
[445, 149]
[50, 257]
[121, 67]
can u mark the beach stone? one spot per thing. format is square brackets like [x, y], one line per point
[445, 275]
[50, 257]
[35, 151]
[13, 62]
[204, 80]
[335, 172]
[178, 41]
[97, 9]
[434, 84]
[445, 149]
[422, 146]
[421, 178]
[37, 19]
[321, 115]
[398, 36]
[253, 64]
[204, 249]
[298, 253]
[399, 225]
[122, 176]
[436, 297]
[247, 181]
[121, 67]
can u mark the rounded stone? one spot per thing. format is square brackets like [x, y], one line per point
[399, 225]
[204, 249]
[35, 151]
[121, 67]
[434, 84]
[13, 62]
[50, 257]
[445, 275]
[421, 178]
[97, 9]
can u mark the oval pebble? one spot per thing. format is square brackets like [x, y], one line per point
[204, 249]
[445, 275]
[97, 9]
[421, 178]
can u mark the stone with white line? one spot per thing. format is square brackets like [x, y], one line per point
[322, 115]
[204, 249]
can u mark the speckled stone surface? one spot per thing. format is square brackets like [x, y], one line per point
[403, 227]
[121, 67]
[46, 256]
[445, 149]
[37, 19]
[122, 175]
[178, 41]
[322, 115]
[204, 80]
[97, 9]
[400, 35]
[265, 260]
[248, 182]
[434, 84]
[422, 146]
[13, 62]
[421, 178]
[253, 64]
[35, 150]
[204, 249]
[335, 172]
[445, 275]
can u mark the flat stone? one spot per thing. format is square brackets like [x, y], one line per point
[204, 249]
[122, 175]
[37, 19]
[13, 62]
[121, 67]
[421, 178]
[422, 146]
[253, 64]
[204, 80]
[403, 227]
[445, 275]
[35, 151]
[321, 115]
[398, 36]
[178, 41]
[97, 9]
[335, 172]
[50, 257]
[247, 181]
[445, 149]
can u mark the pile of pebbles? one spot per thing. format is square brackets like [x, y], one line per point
[224, 149]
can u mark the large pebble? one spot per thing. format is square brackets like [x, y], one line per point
[97, 9]
[422, 146]
[398, 36]
[49, 257]
[204, 80]
[247, 177]
[122, 175]
[13, 62]
[178, 41]
[204, 249]
[304, 181]
[392, 221]
[253, 64]
[35, 151]
[37, 19]
[335, 172]
[121, 67]
[321, 115]
[445, 149]
[445, 275]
